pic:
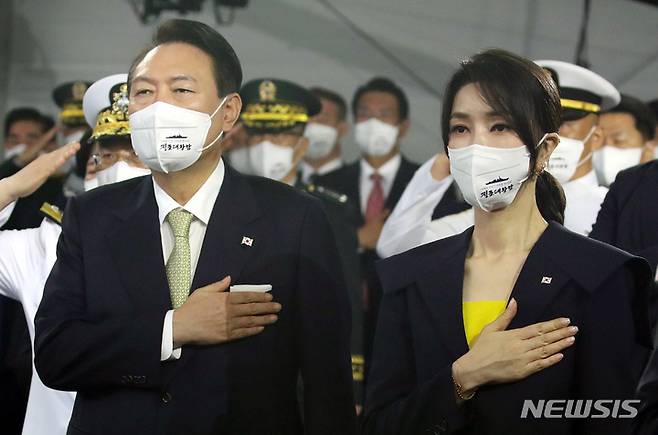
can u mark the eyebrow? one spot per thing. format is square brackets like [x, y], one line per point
[462, 115]
[176, 78]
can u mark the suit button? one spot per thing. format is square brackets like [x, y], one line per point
[166, 398]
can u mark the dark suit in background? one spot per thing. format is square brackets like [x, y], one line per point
[421, 333]
[99, 326]
[347, 180]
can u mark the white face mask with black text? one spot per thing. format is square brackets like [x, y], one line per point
[170, 138]
[565, 159]
[489, 177]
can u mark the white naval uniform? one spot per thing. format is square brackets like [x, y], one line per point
[5, 213]
[26, 258]
[411, 223]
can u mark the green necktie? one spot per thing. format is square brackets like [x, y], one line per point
[179, 269]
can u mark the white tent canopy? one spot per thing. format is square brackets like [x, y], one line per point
[307, 41]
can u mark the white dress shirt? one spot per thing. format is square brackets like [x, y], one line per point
[308, 170]
[26, 258]
[388, 171]
[201, 206]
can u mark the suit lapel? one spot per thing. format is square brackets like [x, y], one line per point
[232, 235]
[402, 178]
[539, 281]
[138, 237]
[440, 284]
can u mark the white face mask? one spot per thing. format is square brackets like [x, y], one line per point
[322, 139]
[169, 138]
[90, 184]
[488, 177]
[270, 160]
[609, 161]
[375, 138]
[239, 159]
[565, 159]
[16, 150]
[120, 171]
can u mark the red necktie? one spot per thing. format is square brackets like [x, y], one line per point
[375, 204]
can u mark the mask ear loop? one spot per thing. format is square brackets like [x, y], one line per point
[588, 137]
[221, 134]
[541, 141]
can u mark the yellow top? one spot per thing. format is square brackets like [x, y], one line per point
[478, 314]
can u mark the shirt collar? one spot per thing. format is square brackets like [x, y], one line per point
[202, 202]
[308, 170]
[387, 170]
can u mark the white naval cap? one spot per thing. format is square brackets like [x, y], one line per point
[97, 98]
[580, 88]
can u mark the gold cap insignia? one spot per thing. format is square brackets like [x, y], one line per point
[267, 91]
[78, 90]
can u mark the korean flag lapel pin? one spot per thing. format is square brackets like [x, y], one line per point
[247, 241]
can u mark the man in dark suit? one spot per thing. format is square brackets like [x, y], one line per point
[376, 181]
[137, 314]
[276, 145]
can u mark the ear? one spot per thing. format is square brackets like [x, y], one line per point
[404, 128]
[232, 109]
[545, 150]
[597, 139]
[342, 127]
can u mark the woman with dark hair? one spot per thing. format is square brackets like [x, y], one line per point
[516, 319]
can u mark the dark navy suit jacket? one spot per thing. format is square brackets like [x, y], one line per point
[99, 326]
[420, 334]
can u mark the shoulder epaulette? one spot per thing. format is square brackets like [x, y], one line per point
[329, 194]
[52, 212]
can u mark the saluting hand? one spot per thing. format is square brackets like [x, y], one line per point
[33, 151]
[500, 356]
[31, 177]
[213, 315]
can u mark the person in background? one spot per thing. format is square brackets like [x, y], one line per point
[629, 129]
[24, 268]
[276, 146]
[23, 127]
[516, 308]
[375, 182]
[653, 105]
[28, 133]
[325, 132]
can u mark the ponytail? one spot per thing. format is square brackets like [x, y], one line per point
[550, 198]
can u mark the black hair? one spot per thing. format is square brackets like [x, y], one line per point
[526, 96]
[226, 65]
[645, 120]
[27, 114]
[382, 84]
[335, 98]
